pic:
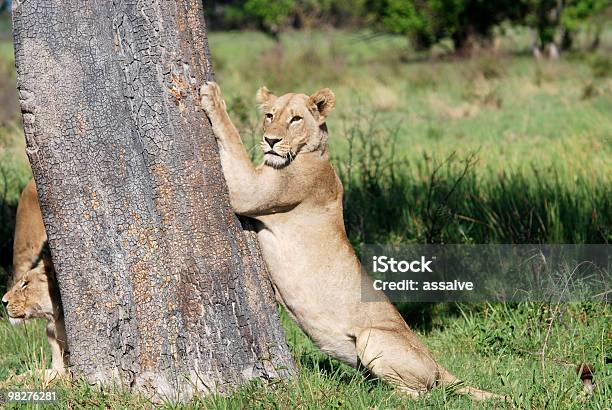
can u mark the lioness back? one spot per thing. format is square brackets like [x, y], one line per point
[30, 234]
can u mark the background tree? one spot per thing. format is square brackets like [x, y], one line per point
[543, 16]
[465, 22]
[556, 22]
[274, 17]
[470, 22]
[162, 289]
[577, 14]
[269, 17]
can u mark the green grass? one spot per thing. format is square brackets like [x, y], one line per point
[496, 347]
[537, 141]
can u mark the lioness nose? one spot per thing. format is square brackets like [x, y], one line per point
[271, 141]
[4, 302]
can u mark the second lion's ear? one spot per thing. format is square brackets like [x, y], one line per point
[264, 98]
[321, 103]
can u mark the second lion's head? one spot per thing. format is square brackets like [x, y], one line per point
[31, 295]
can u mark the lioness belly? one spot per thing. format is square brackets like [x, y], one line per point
[310, 290]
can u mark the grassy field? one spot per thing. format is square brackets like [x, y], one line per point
[496, 347]
[496, 149]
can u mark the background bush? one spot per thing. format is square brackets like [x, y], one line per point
[465, 23]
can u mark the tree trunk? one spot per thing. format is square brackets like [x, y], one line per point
[161, 287]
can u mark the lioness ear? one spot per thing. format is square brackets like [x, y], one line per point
[264, 98]
[321, 103]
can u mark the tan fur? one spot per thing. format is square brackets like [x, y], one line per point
[34, 292]
[296, 198]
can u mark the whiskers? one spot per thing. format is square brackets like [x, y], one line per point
[279, 156]
[283, 149]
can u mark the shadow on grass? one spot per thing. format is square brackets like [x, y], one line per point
[443, 200]
[7, 229]
[424, 317]
[333, 369]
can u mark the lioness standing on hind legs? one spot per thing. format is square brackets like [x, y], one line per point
[295, 197]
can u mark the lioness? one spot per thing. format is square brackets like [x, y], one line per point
[295, 198]
[34, 292]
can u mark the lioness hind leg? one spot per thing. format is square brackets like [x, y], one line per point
[392, 357]
[403, 361]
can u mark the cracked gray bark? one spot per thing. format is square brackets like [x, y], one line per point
[162, 289]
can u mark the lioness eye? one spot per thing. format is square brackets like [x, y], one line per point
[24, 284]
[296, 118]
[269, 116]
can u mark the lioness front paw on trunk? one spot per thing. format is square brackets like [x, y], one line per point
[210, 98]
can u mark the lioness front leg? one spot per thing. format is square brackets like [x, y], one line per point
[56, 336]
[253, 191]
[45, 377]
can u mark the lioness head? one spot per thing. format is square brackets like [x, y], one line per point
[293, 123]
[31, 295]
